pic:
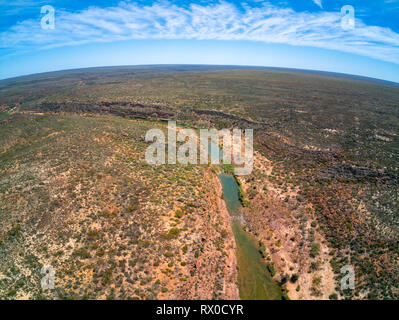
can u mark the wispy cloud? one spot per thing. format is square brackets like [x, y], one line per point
[222, 21]
[12, 8]
[319, 3]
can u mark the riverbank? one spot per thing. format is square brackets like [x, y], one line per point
[230, 287]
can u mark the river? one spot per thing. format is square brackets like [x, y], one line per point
[254, 279]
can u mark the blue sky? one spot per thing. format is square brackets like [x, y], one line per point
[306, 34]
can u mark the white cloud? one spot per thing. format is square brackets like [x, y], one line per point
[222, 21]
[319, 3]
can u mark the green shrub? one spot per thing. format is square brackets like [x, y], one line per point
[313, 224]
[82, 252]
[14, 230]
[333, 296]
[294, 278]
[179, 214]
[270, 268]
[11, 293]
[172, 234]
[315, 250]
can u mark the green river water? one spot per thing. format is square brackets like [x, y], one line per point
[254, 280]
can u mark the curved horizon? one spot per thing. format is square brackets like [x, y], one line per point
[212, 66]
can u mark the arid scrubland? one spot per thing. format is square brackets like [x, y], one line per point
[76, 192]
